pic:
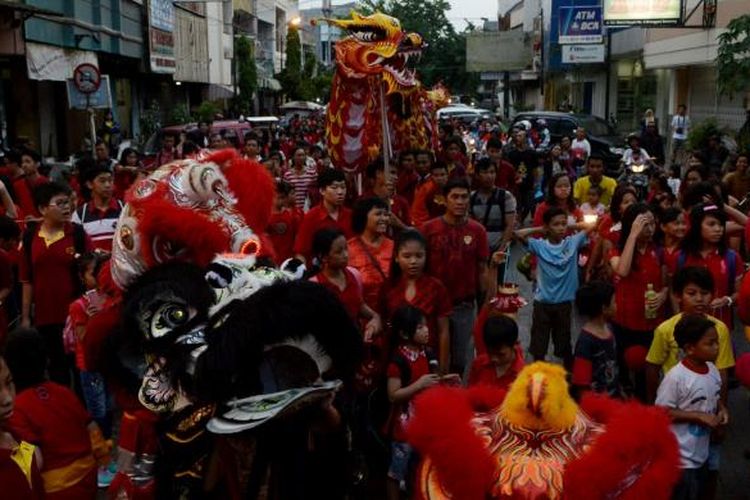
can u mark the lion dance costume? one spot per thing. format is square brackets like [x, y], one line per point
[374, 79]
[197, 341]
[537, 443]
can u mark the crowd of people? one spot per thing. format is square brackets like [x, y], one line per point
[417, 249]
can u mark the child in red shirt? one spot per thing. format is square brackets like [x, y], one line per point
[413, 368]
[50, 416]
[409, 284]
[284, 222]
[330, 249]
[503, 360]
[19, 460]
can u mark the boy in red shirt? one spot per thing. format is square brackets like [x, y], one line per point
[331, 213]
[284, 222]
[47, 271]
[51, 416]
[19, 460]
[429, 201]
[502, 362]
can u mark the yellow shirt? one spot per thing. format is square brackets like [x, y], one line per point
[665, 352]
[582, 185]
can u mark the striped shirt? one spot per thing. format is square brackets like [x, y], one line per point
[100, 225]
[302, 183]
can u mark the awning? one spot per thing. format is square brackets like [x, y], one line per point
[270, 84]
[45, 62]
[219, 91]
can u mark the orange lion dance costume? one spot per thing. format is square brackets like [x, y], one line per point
[537, 443]
[372, 71]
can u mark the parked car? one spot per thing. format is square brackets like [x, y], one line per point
[602, 137]
[464, 113]
[235, 128]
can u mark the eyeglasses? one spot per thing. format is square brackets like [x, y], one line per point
[60, 204]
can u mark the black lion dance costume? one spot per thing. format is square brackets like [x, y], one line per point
[226, 370]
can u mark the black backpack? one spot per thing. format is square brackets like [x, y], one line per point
[497, 198]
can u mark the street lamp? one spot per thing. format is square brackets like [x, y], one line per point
[295, 21]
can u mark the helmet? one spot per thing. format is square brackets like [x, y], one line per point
[633, 135]
[526, 124]
[541, 122]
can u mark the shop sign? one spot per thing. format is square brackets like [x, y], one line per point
[642, 12]
[161, 22]
[582, 54]
[581, 24]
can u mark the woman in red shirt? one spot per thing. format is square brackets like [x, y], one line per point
[706, 245]
[637, 263]
[408, 284]
[370, 251]
[330, 251]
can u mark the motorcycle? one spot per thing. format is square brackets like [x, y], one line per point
[636, 171]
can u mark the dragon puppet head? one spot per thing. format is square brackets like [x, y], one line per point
[378, 45]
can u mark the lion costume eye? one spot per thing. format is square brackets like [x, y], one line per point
[167, 318]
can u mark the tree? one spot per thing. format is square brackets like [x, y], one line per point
[247, 75]
[444, 60]
[291, 75]
[733, 58]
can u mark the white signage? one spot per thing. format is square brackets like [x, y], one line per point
[582, 54]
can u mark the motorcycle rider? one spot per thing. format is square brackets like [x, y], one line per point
[635, 154]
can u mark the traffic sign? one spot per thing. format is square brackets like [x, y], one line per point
[86, 78]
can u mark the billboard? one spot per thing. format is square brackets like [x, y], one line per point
[640, 12]
[488, 51]
[580, 24]
[582, 54]
[161, 27]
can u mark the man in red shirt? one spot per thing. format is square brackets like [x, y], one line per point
[25, 179]
[100, 215]
[330, 213]
[458, 253]
[505, 174]
[47, 273]
[429, 201]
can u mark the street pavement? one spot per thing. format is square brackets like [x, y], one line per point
[734, 476]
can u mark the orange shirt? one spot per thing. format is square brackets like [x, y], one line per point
[373, 263]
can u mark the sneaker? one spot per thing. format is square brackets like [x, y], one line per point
[104, 477]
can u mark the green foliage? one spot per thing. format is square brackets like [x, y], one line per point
[733, 58]
[206, 111]
[444, 60]
[150, 121]
[180, 114]
[316, 81]
[291, 75]
[247, 75]
[699, 133]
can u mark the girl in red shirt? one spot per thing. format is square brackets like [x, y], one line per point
[637, 263]
[609, 233]
[330, 252]
[408, 284]
[706, 245]
[559, 194]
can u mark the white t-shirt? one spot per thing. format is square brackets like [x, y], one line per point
[682, 122]
[683, 389]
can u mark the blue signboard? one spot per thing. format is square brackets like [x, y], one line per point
[581, 24]
[101, 99]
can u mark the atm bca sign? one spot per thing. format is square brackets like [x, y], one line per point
[582, 54]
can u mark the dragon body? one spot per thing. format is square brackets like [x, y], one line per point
[373, 75]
